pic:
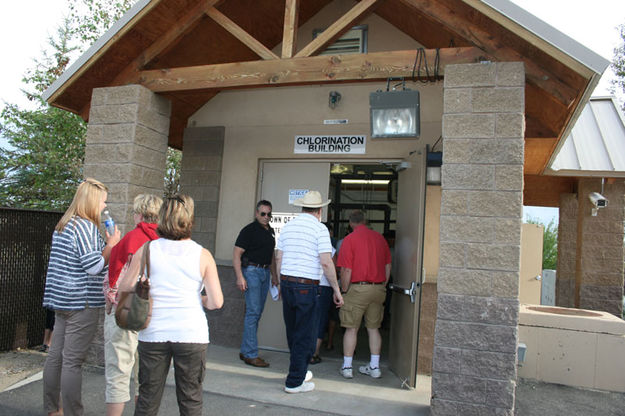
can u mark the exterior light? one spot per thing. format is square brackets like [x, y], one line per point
[434, 161]
[395, 114]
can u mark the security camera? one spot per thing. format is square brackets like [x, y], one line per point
[598, 200]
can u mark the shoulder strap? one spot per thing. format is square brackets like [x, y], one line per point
[145, 261]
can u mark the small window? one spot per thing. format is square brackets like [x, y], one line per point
[353, 41]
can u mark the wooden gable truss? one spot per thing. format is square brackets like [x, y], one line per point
[189, 50]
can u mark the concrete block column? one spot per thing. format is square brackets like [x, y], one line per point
[474, 365]
[201, 178]
[127, 145]
[599, 283]
[567, 251]
[126, 150]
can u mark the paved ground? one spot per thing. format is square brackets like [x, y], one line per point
[232, 388]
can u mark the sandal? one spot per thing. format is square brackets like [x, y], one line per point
[315, 359]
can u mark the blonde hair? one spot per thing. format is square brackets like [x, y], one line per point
[86, 203]
[148, 206]
[175, 219]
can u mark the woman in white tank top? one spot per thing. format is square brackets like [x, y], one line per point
[179, 270]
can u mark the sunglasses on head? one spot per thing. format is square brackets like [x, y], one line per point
[268, 214]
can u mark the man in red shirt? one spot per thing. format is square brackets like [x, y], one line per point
[365, 261]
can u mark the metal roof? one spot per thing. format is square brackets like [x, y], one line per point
[549, 34]
[596, 144]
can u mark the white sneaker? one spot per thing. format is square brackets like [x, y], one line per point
[309, 376]
[305, 387]
[373, 372]
[347, 372]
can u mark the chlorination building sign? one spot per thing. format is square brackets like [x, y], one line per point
[355, 144]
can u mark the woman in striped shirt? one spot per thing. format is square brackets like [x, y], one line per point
[76, 269]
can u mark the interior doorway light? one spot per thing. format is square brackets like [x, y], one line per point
[395, 113]
[366, 181]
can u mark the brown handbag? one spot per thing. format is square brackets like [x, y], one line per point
[134, 308]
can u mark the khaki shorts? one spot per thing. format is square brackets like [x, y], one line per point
[367, 300]
[120, 356]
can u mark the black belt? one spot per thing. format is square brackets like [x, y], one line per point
[262, 266]
[368, 283]
[299, 280]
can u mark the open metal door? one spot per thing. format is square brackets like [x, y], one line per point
[408, 268]
[278, 180]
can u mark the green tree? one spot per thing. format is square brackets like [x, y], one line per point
[550, 243]
[618, 64]
[91, 18]
[172, 174]
[43, 164]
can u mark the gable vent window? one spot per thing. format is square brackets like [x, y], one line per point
[353, 41]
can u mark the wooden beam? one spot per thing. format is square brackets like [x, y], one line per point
[289, 34]
[544, 191]
[537, 154]
[345, 23]
[165, 41]
[301, 71]
[236, 30]
[493, 46]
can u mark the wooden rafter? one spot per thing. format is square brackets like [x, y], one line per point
[247, 39]
[165, 41]
[493, 47]
[300, 71]
[289, 36]
[336, 30]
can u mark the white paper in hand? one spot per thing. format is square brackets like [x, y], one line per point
[275, 292]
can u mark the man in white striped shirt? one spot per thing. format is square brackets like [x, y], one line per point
[304, 253]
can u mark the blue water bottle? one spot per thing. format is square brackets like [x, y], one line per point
[109, 224]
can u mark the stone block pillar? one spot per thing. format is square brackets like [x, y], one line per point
[127, 146]
[474, 366]
[567, 251]
[126, 150]
[201, 178]
[599, 283]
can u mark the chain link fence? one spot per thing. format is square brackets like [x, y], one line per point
[25, 239]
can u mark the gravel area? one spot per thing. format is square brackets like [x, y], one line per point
[18, 365]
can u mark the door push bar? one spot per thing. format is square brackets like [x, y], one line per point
[412, 291]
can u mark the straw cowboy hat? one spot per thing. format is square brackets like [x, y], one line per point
[312, 199]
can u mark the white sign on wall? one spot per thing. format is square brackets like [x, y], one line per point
[295, 194]
[348, 144]
[278, 219]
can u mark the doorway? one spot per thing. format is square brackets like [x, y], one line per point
[376, 188]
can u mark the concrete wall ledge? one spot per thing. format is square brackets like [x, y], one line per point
[572, 319]
[574, 347]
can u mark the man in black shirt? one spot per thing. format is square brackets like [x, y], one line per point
[254, 266]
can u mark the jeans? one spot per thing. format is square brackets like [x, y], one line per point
[189, 371]
[258, 280]
[62, 372]
[299, 304]
[326, 301]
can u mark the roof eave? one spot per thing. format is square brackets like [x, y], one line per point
[543, 35]
[87, 58]
[590, 87]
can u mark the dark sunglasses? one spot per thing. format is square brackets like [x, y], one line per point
[268, 214]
